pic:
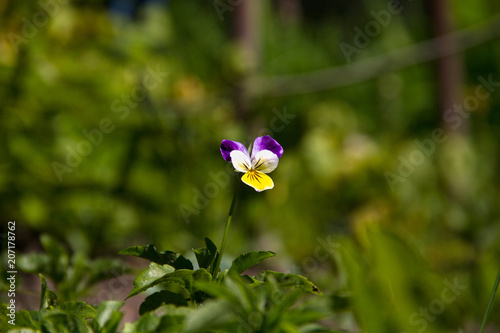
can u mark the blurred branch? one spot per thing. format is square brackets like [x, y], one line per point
[340, 76]
[449, 68]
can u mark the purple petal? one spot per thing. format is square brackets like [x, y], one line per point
[266, 143]
[227, 146]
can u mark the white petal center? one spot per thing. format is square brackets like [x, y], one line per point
[240, 160]
[265, 161]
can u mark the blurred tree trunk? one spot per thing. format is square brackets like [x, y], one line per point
[290, 11]
[450, 84]
[247, 18]
[449, 69]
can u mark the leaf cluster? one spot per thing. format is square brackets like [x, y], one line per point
[182, 298]
[73, 274]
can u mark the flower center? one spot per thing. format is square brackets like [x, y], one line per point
[257, 164]
[254, 175]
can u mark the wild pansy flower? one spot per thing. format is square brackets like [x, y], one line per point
[265, 156]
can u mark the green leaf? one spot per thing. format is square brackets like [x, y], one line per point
[211, 315]
[247, 297]
[33, 262]
[149, 252]
[182, 263]
[340, 302]
[310, 311]
[186, 278]
[172, 318]
[53, 248]
[47, 298]
[81, 309]
[205, 256]
[58, 321]
[182, 277]
[150, 277]
[283, 303]
[289, 281]
[160, 298]
[218, 291]
[245, 261]
[316, 328]
[108, 317]
[146, 324]
[172, 311]
[253, 282]
[59, 258]
[22, 319]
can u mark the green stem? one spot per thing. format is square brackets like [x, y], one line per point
[228, 223]
[488, 310]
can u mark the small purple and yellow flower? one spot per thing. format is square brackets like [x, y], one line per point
[266, 153]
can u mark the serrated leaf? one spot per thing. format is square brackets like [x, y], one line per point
[150, 277]
[47, 298]
[205, 256]
[289, 281]
[81, 309]
[149, 252]
[160, 298]
[245, 261]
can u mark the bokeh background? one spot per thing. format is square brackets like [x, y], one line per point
[112, 113]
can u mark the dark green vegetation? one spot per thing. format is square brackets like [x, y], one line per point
[386, 196]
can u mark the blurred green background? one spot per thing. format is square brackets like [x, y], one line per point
[112, 113]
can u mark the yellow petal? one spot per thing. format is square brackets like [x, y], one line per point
[258, 180]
